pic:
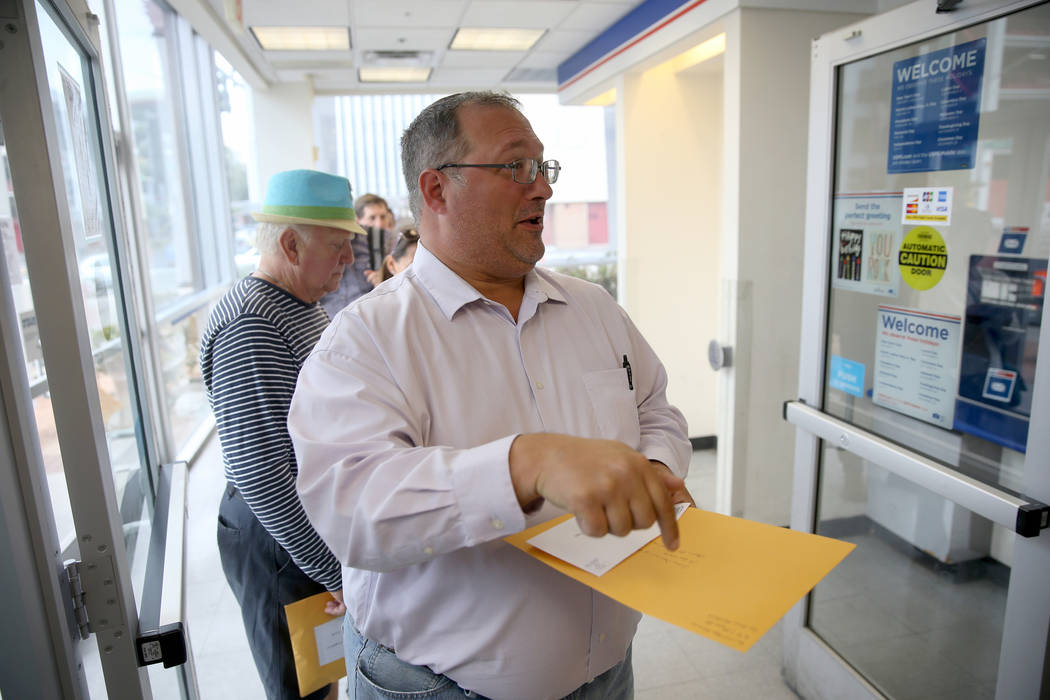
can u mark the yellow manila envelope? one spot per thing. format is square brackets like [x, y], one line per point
[729, 580]
[317, 643]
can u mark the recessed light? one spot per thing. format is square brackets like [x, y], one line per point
[392, 74]
[495, 39]
[303, 38]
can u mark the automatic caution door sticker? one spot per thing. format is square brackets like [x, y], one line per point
[922, 258]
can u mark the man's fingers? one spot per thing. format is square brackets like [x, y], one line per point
[592, 521]
[664, 511]
[620, 519]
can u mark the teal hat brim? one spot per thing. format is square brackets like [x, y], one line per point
[349, 224]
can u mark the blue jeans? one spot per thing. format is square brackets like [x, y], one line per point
[374, 672]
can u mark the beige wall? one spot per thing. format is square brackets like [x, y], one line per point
[772, 118]
[284, 130]
[671, 167]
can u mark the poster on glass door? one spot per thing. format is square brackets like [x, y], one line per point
[917, 363]
[865, 241]
[935, 114]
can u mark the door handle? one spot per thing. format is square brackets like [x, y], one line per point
[719, 356]
[1025, 516]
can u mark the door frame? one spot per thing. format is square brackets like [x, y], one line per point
[39, 188]
[812, 667]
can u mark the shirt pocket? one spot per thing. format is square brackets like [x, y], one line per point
[613, 405]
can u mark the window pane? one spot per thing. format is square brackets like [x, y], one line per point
[149, 60]
[235, 105]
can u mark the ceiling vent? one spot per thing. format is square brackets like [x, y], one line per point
[532, 75]
[397, 58]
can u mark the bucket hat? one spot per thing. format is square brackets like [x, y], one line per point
[309, 197]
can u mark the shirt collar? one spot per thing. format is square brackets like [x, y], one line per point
[452, 292]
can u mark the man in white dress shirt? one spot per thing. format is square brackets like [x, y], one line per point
[466, 399]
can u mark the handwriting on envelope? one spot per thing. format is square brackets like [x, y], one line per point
[730, 579]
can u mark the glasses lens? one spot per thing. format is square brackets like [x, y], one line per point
[524, 171]
[550, 170]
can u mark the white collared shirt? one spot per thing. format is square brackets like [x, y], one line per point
[402, 422]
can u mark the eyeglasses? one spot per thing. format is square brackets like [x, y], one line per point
[523, 171]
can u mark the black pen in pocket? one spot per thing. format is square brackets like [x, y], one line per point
[630, 377]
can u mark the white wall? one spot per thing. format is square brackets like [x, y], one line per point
[284, 120]
[672, 168]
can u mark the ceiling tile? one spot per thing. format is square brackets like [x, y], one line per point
[481, 77]
[282, 60]
[301, 13]
[407, 13]
[595, 17]
[544, 59]
[564, 40]
[534, 14]
[400, 39]
[489, 59]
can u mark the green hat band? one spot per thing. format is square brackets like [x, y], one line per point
[306, 212]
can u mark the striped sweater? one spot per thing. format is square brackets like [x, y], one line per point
[256, 341]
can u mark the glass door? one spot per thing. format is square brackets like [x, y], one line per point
[925, 378]
[75, 318]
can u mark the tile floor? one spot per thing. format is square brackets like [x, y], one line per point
[668, 661]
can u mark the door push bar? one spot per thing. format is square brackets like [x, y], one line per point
[162, 633]
[1023, 515]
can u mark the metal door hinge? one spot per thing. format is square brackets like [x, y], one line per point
[76, 595]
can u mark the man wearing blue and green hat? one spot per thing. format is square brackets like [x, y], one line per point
[257, 338]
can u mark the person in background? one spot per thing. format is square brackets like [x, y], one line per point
[389, 221]
[400, 257]
[256, 339]
[371, 214]
[469, 397]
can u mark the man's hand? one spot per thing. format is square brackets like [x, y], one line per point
[679, 493]
[608, 486]
[335, 607]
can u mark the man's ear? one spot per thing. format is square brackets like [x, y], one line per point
[432, 186]
[290, 244]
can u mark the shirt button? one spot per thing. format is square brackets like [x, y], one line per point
[601, 637]
[428, 550]
[539, 385]
[497, 523]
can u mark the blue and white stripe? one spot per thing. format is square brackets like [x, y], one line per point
[256, 341]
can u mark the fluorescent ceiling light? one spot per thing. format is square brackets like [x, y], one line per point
[495, 39]
[392, 74]
[603, 100]
[303, 38]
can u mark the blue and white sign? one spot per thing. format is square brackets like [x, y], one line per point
[917, 363]
[847, 375]
[999, 384]
[1012, 242]
[935, 110]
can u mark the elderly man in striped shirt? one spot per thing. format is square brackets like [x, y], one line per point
[257, 339]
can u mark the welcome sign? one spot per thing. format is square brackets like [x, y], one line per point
[934, 115]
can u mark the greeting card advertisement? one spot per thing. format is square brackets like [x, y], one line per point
[864, 246]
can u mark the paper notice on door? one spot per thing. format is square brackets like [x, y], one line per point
[729, 580]
[595, 554]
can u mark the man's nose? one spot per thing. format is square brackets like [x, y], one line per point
[540, 188]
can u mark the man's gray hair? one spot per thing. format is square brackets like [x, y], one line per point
[433, 138]
[268, 236]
